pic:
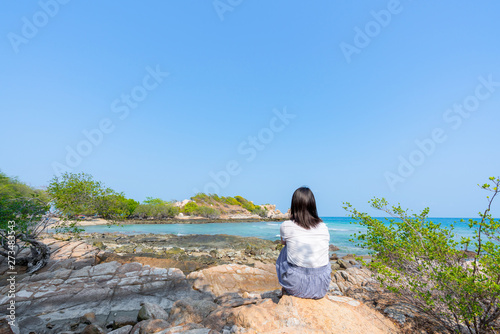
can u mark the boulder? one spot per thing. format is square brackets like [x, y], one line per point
[190, 311]
[333, 248]
[151, 311]
[224, 279]
[88, 318]
[93, 329]
[108, 289]
[122, 330]
[150, 326]
[327, 315]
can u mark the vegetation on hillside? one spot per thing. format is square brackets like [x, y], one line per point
[422, 262]
[25, 212]
[77, 195]
[155, 208]
[223, 203]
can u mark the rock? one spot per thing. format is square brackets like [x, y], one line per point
[333, 248]
[63, 295]
[122, 321]
[150, 326]
[5, 328]
[335, 266]
[296, 315]
[151, 311]
[342, 264]
[93, 329]
[88, 318]
[399, 312]
[334, 256]
[190, 311]
[182, 204]
[235, 278]
[122, 330]
[189, 329]
[99, 244]
[235, 300]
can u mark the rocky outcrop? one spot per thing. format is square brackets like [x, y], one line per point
[273, 213]
[181, 204]
[295, 315]
[76, 294]
[235, 278]
[188, 252]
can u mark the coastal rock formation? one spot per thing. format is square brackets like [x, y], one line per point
[295, 315]
[47, 302]
[64, 254]
[76, 294]
[275, 214]
[235, 278]
[181, 204]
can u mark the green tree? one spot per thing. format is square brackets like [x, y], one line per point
[79, 194]
[154, 201]
[24, 214]
[111, 205]
[155, 208]
[130, 205]
[190, 208]
[75, 194]
[423, 263]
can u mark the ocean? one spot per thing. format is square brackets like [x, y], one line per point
[341, 230]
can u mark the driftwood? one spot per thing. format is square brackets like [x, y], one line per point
[39, 254]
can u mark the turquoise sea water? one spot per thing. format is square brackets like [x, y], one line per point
[340, 230]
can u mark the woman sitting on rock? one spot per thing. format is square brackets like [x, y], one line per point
[303, 265]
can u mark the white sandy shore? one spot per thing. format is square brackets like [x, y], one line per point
[85, 222]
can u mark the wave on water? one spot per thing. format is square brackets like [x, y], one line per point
[272, 224]
[339, 229]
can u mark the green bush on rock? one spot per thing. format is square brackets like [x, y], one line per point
[421, 262]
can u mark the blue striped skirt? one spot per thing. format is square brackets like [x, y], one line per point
[302, 282]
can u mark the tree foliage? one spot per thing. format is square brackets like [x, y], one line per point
[24, 214]
[423, 263]
[155, 208]
[204, 200]
[74, 195]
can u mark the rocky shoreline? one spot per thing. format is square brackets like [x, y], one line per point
[198, 284]
[198, 220]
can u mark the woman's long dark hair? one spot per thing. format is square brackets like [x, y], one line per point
[303, 209]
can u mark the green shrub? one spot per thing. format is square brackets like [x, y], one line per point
[24, 215]
[156, 211]
[231, 201]
[207, 212]
[190, 208]
[421, 262]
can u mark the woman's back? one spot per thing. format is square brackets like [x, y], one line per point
[303, 266]
[306, 247]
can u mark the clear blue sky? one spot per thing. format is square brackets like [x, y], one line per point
[363, 81]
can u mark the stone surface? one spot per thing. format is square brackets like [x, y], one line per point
[76, 293]
[122, 330]
[93, 329]
[106, 289]
[190, 311]
[235, 278]
[296, 315]
[150, 326]
[151, 311]
[88, 318]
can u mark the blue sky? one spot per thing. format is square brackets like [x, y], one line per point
[394, 99]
